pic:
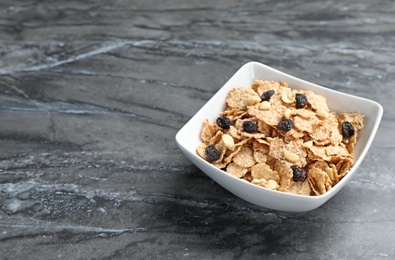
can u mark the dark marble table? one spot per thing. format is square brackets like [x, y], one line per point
[92, 94]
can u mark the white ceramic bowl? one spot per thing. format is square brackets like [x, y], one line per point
[188, 138]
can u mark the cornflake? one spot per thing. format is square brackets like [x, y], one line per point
[265, 157]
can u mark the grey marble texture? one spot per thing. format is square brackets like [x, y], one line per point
[92, 94]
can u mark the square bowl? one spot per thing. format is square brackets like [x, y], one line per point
[188, 138]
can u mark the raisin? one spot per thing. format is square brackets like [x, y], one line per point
[212, 154]
[347, 129]
[285, 125]
[298, 173]
[223, 122]
[250, 127]
[301, 100]
[267, 95]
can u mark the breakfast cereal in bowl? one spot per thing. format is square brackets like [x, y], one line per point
[278, 141]
[281, 138]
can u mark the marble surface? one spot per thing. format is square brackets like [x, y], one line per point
[92, 94]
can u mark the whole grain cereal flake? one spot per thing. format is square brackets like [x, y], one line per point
[208, 131]
[301, 188]
[355, 118]
[242, 97]
[262, 170]
[244, 158]
[236, 170]
[319, 181]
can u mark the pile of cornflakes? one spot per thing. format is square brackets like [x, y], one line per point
[281, 138]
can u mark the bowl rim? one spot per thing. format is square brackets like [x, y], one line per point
[324, 196]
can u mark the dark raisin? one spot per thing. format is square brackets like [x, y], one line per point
[298, 173]
[285, 125]
[301, 100]
[347, 129]
[267, 95]
[212, 154]
[250, 127]
[223, 122]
